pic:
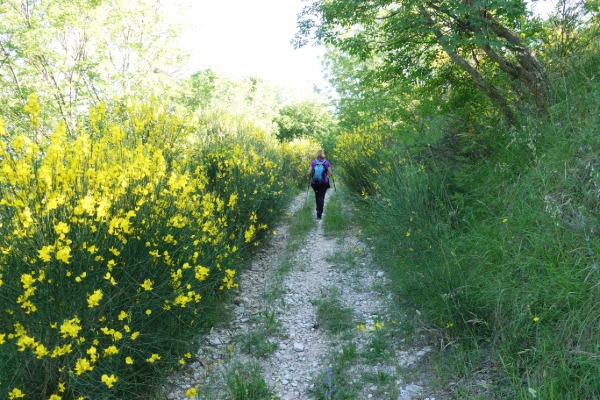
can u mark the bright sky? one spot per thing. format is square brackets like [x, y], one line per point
[252, 38]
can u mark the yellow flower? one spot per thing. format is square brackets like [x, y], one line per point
[45, 254]
[232, 200]
[153, 358]
[32, 108]
[70, 327]
[16, 394]
[41, 351]
[201, 272]
[27, 280]
[128, 360]
[111, 350]
[93, 353]
[536, 319]
[55, 397]
[249, 234]
[191, 392]
[61, 351]
[135, 335]
[94, 299]
[64, 254]
[2, 336]
[82, 366]
[109, 380]
[108, 276]
[148, 311]
[228, 280]
[122, 315]
[61, 229]
[147, 285]
[87, 204]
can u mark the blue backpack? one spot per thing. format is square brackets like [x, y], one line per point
[319, 171]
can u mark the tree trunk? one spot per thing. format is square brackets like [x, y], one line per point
[529, 70]
[489, 90]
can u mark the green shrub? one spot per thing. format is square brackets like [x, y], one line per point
[115, 250]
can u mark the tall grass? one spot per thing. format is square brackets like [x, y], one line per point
[502, 252]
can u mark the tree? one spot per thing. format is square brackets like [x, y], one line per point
[305, 119]
[76, 53]
[414, 38]
[364, 98]
[570, 28]
[207, 92]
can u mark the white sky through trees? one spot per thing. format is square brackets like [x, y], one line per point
[252, 38]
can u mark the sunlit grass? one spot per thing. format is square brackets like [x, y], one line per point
[336, 220]
[499, 253]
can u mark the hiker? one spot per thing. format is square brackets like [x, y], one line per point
[319, 172]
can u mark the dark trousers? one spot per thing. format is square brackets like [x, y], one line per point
[320, 190]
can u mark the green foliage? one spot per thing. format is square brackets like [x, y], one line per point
[502, 251]
[416, 42]
[262, 341]
[208, 93]
[364, 156]
[245, 382]
[117, 243]
[296, 156]
[365, 98]
[75, 54]
[257, 343]
[305, 119]
[338, 220]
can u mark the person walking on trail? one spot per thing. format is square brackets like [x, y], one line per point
[319, 172]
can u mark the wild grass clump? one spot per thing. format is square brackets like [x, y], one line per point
[337, 220]
[503, 251]
[333, 316]
[116, 242]
[245, 382]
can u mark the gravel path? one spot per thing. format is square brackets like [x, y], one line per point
[302, 346]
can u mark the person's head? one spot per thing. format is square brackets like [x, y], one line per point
[321, 154]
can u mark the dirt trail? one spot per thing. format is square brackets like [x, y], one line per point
[278, 312]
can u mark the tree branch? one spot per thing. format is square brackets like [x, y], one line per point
[10, 67]
[492, 92]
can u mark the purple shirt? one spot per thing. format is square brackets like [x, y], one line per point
[326, 165]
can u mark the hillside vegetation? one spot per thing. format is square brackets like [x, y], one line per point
[465, 133]
[484, 198]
